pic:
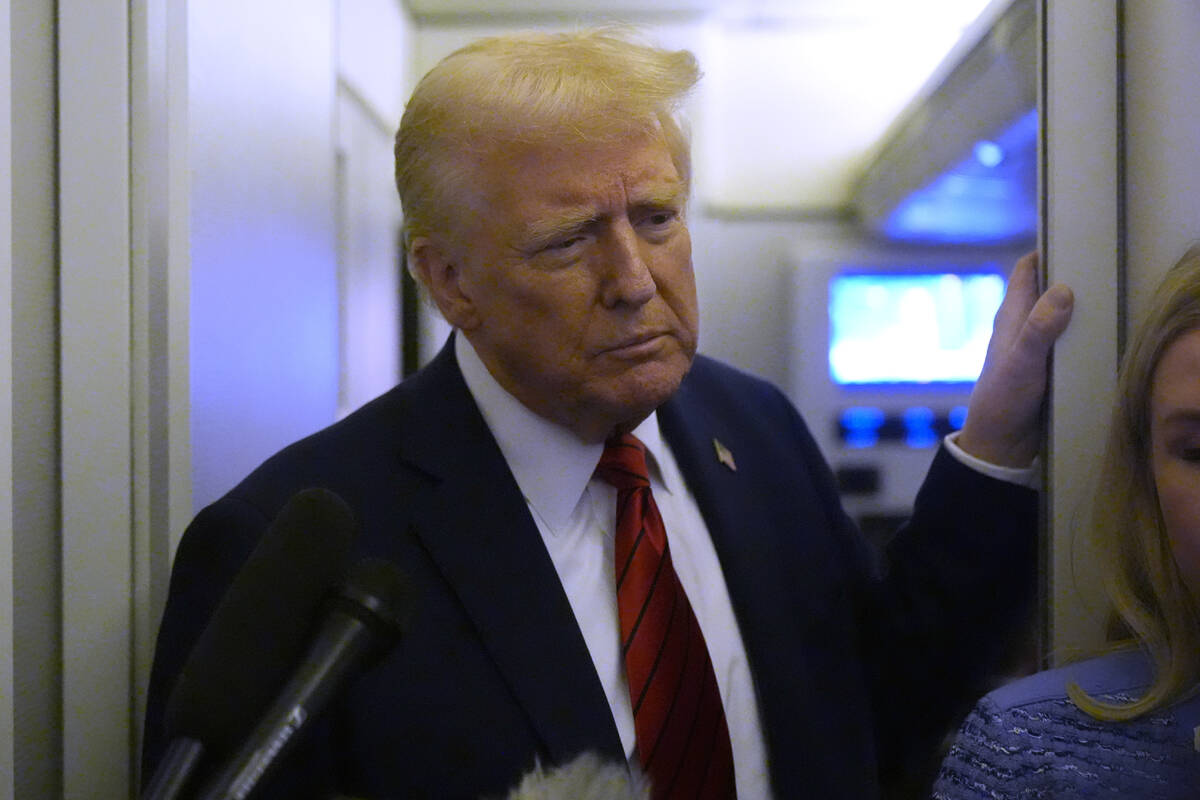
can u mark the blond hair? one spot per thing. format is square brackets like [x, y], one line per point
[1142, 577]
[593, 85]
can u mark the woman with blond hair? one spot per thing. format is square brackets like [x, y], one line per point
[1125, 724]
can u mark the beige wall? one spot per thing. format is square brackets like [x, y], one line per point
[1162, 140]
[29, 528]
[1121, 171]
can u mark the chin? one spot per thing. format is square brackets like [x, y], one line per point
[641, 393]
[625, 399]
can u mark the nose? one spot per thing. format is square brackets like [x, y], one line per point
[627, 280]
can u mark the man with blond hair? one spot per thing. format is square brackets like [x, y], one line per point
[530, 478]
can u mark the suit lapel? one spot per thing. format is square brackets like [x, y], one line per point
[477, 528]
[728, 504]
[743, 507]
[773, 593]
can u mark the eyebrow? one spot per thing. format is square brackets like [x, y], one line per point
[567, 221]
[576, 218]
[663, 195]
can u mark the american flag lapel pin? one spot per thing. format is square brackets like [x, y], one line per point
[724, 455]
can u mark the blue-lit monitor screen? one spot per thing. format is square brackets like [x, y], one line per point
[904, 327]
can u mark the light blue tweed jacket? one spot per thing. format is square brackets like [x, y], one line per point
[1027, 740]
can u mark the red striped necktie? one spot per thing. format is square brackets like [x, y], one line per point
[682, 738]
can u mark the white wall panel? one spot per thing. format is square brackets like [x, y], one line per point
[374, 47]
[36, 653]
[161, 478]
[1162, 115]
[94, 400]
[1122, 170]
[7, 638]
[369, 256]
[263, 241]
[1081, 226]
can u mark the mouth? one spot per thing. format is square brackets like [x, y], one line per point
[638, 346]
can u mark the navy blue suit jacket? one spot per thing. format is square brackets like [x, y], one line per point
[854, 665]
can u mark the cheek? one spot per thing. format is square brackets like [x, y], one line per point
[542, 302]
[677, 284]
[1179, 498]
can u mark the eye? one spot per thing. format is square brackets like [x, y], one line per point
[1186, 449]
[660, 218]
[562, 251]
[658, 224]
[564, 244]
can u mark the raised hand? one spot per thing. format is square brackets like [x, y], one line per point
[1004, 415]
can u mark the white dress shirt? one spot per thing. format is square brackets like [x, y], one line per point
[576, 516]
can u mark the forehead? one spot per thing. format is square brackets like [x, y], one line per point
[1177, 378]
[530, 176]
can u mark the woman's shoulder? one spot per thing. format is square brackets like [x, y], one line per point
[1029, 740]
[1123, 674]
[1041, 701]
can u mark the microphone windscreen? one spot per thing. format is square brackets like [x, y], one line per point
[587, 777]
[262, 623]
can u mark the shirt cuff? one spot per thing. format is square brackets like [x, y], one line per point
[1029, 477]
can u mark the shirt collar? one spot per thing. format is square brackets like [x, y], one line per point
[551, 466]
[658, 458]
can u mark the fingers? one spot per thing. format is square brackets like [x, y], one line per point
[1027, 323]
[1025, 274]
[1021, 360]
[1047, 320]
[1002, 423]
[1019, 298]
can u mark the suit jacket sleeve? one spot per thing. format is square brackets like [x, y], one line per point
[952, 605]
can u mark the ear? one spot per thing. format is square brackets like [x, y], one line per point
[433, 265]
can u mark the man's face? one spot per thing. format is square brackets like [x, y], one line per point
[573, 271]
[1175, 450]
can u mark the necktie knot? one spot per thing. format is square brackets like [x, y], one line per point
[623, 463]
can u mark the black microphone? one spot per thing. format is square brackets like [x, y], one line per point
[256, 633]
[364, 618]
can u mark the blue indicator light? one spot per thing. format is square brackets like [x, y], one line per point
[860, 426]
[957, 417]
[919, 429]
[988, 153]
